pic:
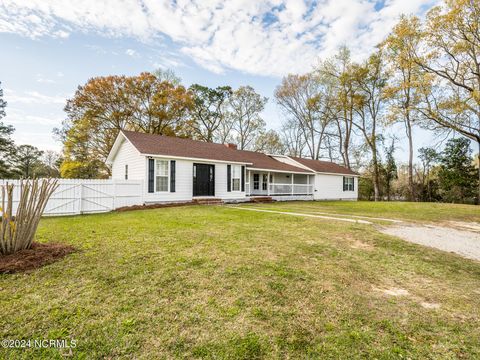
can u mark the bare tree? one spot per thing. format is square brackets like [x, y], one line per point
[245, 106]
[370, 78]
[269, 142]
[18, 232]
[305, 99]
[225, 133]
[51, 161]
[406, 81]
[339, 72]
[451, 57]
[292, 138]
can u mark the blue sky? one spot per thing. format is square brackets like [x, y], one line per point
[50, 47]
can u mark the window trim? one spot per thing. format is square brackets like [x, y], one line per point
[239, 178]
[155, 177]
[347, 186]
[265, 182]
[256, 181]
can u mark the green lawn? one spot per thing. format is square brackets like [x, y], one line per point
[214, 282]
[412, 211]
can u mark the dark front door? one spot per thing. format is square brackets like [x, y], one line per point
[203, 180]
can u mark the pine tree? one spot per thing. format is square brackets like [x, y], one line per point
[457, 175]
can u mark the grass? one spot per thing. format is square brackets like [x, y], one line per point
[214, 283]
[411, 211]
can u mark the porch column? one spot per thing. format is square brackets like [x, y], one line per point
[268, 183]
[293, 175]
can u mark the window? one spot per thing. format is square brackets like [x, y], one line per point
[348, 183]
[256, 181]
[264, 181]
[126, 172]
[236, 176]
[161, 175]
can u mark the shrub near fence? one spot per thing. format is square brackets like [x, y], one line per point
[83, 196]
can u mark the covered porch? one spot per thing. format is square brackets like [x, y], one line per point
[276, 183]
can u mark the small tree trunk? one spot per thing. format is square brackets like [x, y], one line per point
[411, 189]
[376, 176]
[478, 158]
[17, 232]
[429, 191]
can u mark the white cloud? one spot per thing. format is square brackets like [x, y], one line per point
[23, 119]
[34, 129]
[44, 80]
[132, 53]
[272, 37]
[32, 97]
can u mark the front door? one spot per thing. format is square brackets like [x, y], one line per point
[260, 184]
[203, 180]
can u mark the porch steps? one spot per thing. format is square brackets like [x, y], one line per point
[262, 199]
[207, 201]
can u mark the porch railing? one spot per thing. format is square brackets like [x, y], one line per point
[291, 189]
[281, 189]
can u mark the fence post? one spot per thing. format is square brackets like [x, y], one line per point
[81, 197]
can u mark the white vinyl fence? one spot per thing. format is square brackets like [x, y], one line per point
[83, 196]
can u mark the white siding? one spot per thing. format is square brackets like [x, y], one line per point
[221, 184]
[326, 186]
[128, 155]
[184, 183]
[330, 187]
[282, 178]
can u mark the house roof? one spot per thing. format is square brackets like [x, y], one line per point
[150, 144]
[265, 162]
[324, 166]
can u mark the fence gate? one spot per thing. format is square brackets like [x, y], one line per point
[83, 196]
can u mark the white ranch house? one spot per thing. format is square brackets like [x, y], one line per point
[179, 170]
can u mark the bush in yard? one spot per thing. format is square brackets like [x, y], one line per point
[457, 175]
[17, 232]
[365, 188]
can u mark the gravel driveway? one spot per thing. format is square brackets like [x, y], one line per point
[463, 242]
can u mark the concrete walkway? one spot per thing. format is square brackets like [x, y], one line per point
[361, 217]
[304, 215]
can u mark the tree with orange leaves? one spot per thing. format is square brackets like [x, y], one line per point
[105, 105]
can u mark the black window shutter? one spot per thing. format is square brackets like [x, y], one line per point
[213, 180]
[229, 178]
[353, 184]
[344, 183]
[172, 175]
[151, 175]
[243, 178]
